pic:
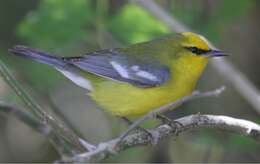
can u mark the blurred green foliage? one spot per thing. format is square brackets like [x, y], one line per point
[206, 18]
[231, 10]
[132, 24]
[226, 17]
[56, 23]
[242, 143]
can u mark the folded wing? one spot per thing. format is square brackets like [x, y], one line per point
[114, 65]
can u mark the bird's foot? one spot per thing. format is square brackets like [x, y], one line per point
[172, 123]
[154, 136]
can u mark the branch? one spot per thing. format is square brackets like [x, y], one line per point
[41, 127]
[9, 109]
[34, 107]
[228, 71]
[234, 125]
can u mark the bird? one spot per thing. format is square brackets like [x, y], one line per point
[133, 80]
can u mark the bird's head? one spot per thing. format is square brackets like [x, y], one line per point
[192, 54]
[198, 46]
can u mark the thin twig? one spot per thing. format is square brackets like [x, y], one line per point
[227, 70]
[9, 109]
[34, 107]
[41, 127]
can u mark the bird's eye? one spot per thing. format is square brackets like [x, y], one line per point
[197, 50]
[194, 49]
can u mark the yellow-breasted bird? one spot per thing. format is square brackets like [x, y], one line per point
[133, 80]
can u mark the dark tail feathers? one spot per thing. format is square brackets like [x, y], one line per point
[39, 56]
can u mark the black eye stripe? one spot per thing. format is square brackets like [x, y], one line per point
[197, 50]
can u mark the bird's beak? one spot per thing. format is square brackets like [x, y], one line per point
[217, 53]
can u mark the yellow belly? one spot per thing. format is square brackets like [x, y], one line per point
[127, 100]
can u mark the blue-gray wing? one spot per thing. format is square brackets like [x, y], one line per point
[113, 65]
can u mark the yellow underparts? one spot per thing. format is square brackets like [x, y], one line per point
[123, 99]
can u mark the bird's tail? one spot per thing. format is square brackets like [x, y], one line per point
[68, 70]
[38, 56]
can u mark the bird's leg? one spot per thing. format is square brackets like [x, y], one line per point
[151, 134]
[126, 120]
[166, 120]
